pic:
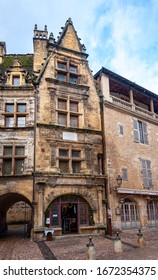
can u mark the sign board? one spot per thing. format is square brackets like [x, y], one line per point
[55, 215]
[47, 221]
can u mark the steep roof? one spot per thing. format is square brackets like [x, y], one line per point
[68, 38]
[26, 61]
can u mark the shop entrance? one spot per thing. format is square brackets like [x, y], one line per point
[69, 217]
[69, 213]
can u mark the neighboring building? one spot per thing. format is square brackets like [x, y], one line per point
[130, 119]
[16, 133]
[65, 136]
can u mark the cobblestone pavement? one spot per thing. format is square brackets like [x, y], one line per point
[13, 246]
[73, 247]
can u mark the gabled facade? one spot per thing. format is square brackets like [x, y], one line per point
[130, 115]
[68, 176]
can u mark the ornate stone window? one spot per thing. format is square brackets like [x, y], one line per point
[13, 160]
[68, 112]
[15, 114]
[67, 72]
[16, 80]
[69, 160]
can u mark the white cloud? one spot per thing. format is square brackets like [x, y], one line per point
[119, 35]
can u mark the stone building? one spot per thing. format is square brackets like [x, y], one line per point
[68, 174]
[16, 133]
[130, 125]
[66, 136]
[51, 146]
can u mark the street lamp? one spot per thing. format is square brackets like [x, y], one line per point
[119, 181]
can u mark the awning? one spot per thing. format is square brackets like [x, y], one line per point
[136, 191]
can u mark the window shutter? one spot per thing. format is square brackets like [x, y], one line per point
[146, 173]
[124, 174]
[145, 134]
[135, 130]
[121, 129]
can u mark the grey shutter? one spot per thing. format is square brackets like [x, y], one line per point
[146, 173]
[149, 174]
[124, 174]
[145, 133]
[135, 130]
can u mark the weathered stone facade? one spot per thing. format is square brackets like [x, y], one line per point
[131, 136]
[65, 136]
[68, 134]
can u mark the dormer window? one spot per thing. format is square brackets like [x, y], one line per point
[16, 81]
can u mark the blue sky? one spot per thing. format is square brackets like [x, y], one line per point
[120, 35]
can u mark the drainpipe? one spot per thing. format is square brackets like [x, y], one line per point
[34, 156]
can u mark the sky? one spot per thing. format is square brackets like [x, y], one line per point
[120, 35]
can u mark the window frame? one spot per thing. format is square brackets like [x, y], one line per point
[16, 78]
[70, 72]
[70, 159]
[13, 157]
[67, 113]
[140, 131]
[15, 114]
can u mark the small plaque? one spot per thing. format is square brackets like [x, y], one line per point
[69, 136]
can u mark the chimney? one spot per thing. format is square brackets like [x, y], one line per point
[2, 51]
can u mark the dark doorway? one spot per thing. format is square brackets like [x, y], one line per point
[69, 218]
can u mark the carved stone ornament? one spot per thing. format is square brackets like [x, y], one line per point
[40, 187]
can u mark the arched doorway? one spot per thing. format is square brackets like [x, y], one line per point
[15, 209]
[152, 212]
[69, 212]
[130, 215]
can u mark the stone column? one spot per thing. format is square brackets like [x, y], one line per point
[151, 105]
[131, 99]
[143, 212]
[40, 188]
[100, 205]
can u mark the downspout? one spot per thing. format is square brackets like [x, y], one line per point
[34, 156]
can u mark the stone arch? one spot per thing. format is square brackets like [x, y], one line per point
[84, 193]
[130, 214]
[7, 200]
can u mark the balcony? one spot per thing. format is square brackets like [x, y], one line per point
[132, 107]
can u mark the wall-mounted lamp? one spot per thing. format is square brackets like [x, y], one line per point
[119, 183]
